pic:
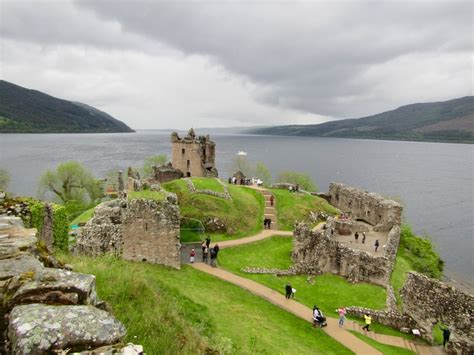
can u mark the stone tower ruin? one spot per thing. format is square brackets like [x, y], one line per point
[194, 156]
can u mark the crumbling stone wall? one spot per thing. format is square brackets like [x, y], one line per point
[142, 230]
[45, 308]
[316, 251]
[367, 206]
[151, 232]
[428, 301]
[165, 173]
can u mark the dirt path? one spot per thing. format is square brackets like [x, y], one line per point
[344, 337]
[340, 334]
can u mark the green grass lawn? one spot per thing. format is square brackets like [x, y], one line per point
[385, 349]
[207, 184]
[147, 194]
[243, 215]
[189, 312]
[399, 275]
[296, 207]
[83, 217]
[329, 292]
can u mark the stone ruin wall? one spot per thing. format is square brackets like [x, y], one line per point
[316, 251]
[370, 207]
[428, 301]
[139, 230]
[150, 232]
[45, 306]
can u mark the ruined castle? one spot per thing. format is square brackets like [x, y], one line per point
[194, 156]
[333, 249]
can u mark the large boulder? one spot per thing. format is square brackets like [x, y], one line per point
[39, 329]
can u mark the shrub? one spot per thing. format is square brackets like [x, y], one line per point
[420, 253]
[303, 180]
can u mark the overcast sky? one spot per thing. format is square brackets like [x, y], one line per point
[175, 64]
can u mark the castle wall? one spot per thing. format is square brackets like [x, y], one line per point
[141, 230]
[151, 233]
[316, 251]
[428, 301]
[367, 206]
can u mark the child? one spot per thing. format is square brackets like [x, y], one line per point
[342, 316]
[192, 254]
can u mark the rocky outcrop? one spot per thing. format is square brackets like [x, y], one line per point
[40, 329]
[139, 229]
[44, 308]
[429, 301]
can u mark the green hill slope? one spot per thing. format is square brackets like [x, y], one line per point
[447, 121]
[29, 111]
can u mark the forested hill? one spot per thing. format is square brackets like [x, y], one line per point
[448, 121]
[29, 111]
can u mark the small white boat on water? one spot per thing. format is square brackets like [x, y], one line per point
[241, 153]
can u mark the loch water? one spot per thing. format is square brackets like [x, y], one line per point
[434, 181]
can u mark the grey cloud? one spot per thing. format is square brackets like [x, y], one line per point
[308, 56]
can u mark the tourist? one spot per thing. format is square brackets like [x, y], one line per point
[269, 223]
[203, 245]
[376, 245]
[192, 254]
[297, 188]
[356, 237]
[288, 290]
[293, 291]
[290, 188]
[208, 241]
[265, 223]
[205, 255]
[368, 321]
[230, 180]
[272, 199]
[342, 316]
[315, 315]
[363, 237]
[216, 249]
[213, 257]
[446, 334]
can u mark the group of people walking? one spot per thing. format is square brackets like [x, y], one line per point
[209, 255]
[356, 238]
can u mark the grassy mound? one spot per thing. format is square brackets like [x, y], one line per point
[296, 207]
[187, 311]
[207, 184]
[147, 194]
[241, 216]
[329, 292]
[83, 217]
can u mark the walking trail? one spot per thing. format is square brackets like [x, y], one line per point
[341, 334]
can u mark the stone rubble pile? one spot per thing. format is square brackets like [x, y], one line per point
[44, 308]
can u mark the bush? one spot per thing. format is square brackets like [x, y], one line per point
[420, 253]
[303, 180]
[60, 222]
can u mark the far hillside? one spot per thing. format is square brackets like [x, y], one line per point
[447, 121]
[30, 111]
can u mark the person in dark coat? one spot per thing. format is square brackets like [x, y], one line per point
[376, 245]
[213, 257]
[216, 249]
[272, 200]
[208, 241]
[446, 335]
[288, 291]
[356, 237]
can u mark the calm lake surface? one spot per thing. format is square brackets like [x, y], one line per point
[433, 180]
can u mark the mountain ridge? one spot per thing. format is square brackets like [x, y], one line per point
[24, 110]
[442, 121]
